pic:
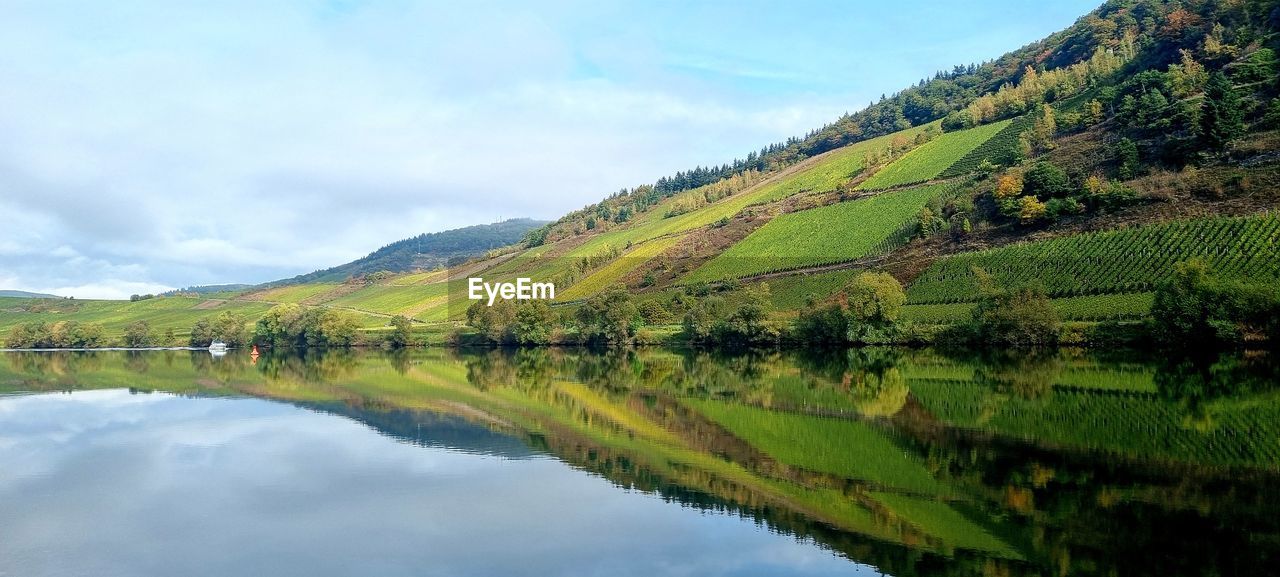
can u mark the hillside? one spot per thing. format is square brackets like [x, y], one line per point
[27, 295]
[427, 251]
[207, 289]
[1090, 163]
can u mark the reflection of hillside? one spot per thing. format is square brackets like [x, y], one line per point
[431, 429]
[913, 462]
[1174, 414]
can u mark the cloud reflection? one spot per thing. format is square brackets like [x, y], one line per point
[112, 483]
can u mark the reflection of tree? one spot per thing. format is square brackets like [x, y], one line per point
[1027, 373]
[723, 374]
[222, 369]
[399, 360]
[1072, 506]
[614, 370]
[535, 367]
[137, 361]
[837, 364]
[881, 394]
[55, 364]
[308, 366]
[1197, 381]
[868, 377]
[491, 369]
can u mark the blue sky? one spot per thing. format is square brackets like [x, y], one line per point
[148, 145]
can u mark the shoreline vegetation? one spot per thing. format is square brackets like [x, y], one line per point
[1194, 308]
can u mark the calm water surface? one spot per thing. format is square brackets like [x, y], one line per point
[641, 463]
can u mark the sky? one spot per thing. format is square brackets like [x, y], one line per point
[154, 145]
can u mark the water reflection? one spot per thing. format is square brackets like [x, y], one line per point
[910, 462]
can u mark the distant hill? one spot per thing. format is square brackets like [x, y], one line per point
[207, 289]
[427, 251]
[27, 295]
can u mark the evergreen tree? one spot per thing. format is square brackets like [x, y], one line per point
[1223, 113]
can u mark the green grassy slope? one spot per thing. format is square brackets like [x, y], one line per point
[829, 234]
[790, 293]
[393, 300]
[163, 313]
[824, 173]
[931, 159]
[294, 293]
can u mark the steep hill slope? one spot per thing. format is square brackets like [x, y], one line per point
[427, 251]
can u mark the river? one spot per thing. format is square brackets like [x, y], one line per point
[647, 462]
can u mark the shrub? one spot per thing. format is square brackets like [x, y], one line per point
[492, 321]
[534, 323]
[1046, 180]
[609, 318]
[229, 327]
[958, 120]
[1126, 158]
[1031, 210]
[653, 313]
[201, 333]
[700, 319]
[401, 334]
[874, 301]
[30, 336]
[1020, 317]
[75, 334]
[62, 334]
[748, 325]
[1271, 119]
[822, 325]
[865, 312]
[1195, 307]
[291, 325]
[1059, 207]
[138, 334]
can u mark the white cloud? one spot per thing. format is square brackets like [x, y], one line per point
[302, 144]
[244, 141]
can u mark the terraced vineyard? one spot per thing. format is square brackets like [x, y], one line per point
[394, 300]
[824, 235]
[932, 158]
[1122, 261]
[823, 174]
[614, 271]
[1083, 308]
[837, 168]
[292, 293]
[1001, 149]
[790, 293]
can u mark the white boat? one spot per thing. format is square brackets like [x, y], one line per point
[217, 347]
